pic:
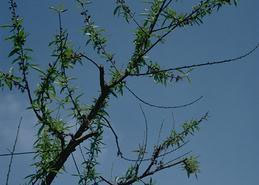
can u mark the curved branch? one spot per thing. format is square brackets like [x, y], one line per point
[103, 179]
[119, 153]
[160, 106]
[89, 59]
[142, 152]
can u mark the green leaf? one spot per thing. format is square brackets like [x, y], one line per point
[191, 165]
[117, 9]
[14, 51]
[9, 83]
[35, 67]
[6, 26]
[28, 49]
[10, 37]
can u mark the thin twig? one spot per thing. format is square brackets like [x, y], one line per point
[108, 182]
[101, 46]
[22, 57]
[159, 156]
[17, 153]
[167, 33]
[119, 153]
[127, 73]
[77, 169]
[126, 8]
[199, 65]
[89, 59]
[160, 131]
[82, 154]
[160, 106]
[152, 26]
[25, 153]
[13, 150]
[142, 153]
[173, 123]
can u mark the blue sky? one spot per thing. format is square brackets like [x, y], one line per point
[226, 144]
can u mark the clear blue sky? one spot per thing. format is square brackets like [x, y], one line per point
[226, 144]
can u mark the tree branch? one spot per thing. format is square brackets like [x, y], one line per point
[119, 153]
[14, 146]
[199, 65]
[108, 182]
[62, 157]
[160, 106]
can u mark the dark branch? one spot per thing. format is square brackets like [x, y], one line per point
[14, 146]
[119, 153]
[102, 81]
[149, 172]
[160, 106]
[161, 155]
[199, 65]
[76, 166]
[89, 59]
[108, 182]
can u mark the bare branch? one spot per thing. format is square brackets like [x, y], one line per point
[76, 166]
[142, 153]
[159, 133]
[119, 153]
[160, 106]
[17, 153]
[13, 150]
[108, 182]
[89, 59]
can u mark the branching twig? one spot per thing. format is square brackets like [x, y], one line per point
[88, 22]
[168, 32]
[127, 73]
[82, 133]
[147, 172]
[129, 12]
